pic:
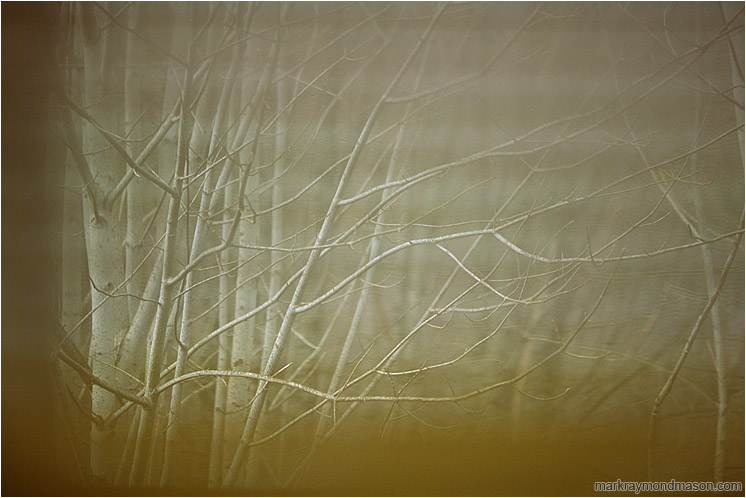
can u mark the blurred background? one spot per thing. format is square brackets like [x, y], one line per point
[514, 215]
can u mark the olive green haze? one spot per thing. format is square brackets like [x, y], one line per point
[398, 248]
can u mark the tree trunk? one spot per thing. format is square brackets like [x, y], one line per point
[104, 234]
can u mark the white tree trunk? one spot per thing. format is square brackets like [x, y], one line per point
[104, 235]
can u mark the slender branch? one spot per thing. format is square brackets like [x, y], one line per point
[362, 399]
[152, 144]
[147, 173]
[666, 389]
[165, 52]
[610, 259]
[483, 71]
[88, 376]
[277, 349]
[95, 195]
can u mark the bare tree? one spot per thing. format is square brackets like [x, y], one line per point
[316, 224]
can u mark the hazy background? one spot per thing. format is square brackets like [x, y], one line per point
[590, 93]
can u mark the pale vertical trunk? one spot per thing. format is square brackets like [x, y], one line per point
[208, 201]
[274, 316]
[70, 458]
[184, 87]
[75, 290]
[666, 389]
[737, 68]
[73, 253]
[711, 283]
[247, 345]
[227, 283]
[207, 204]
[74, 283]
[225, 315]
[246, 349]
[158, 444]
[719, 352]
[720, 359]
[129, 446]
[155, 353]
[735, 44]
[131, 347]
[104, 235]
[281, 146]
[136, 190]
[106, 269]
[256, 115]
[276, 223]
